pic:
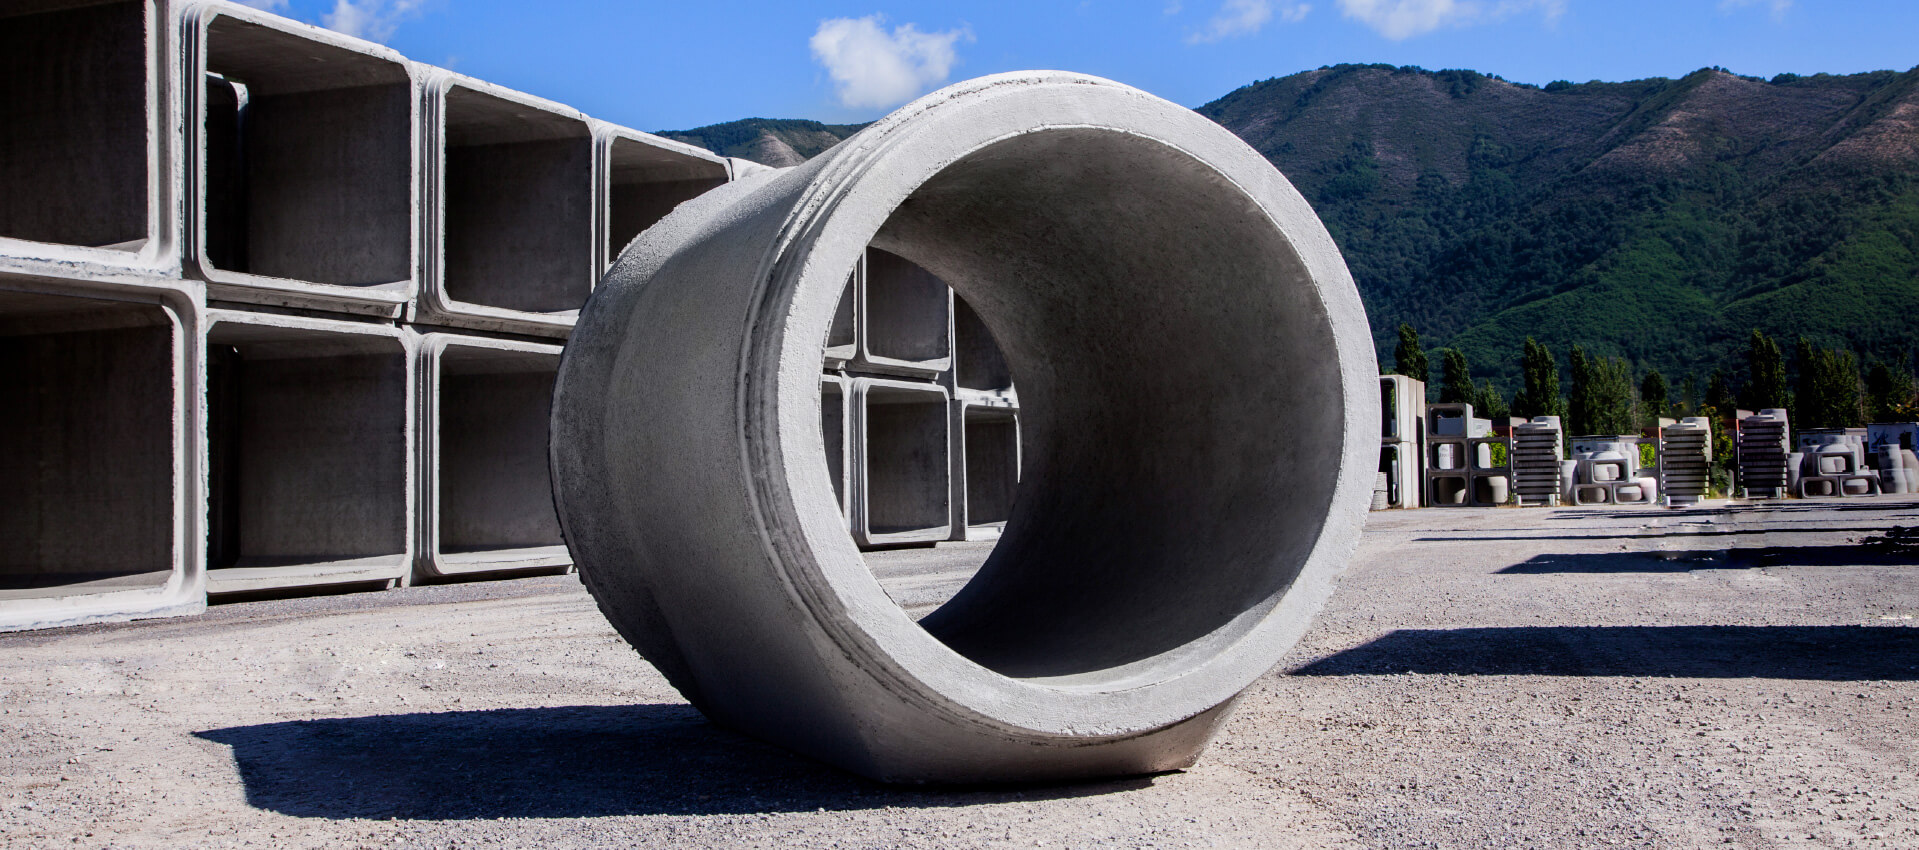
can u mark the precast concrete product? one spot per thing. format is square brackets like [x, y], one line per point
[485, 484]
[89, 151]
[1761, 449]
[643, 177]
[1536, 458]
[303, 178]
[842, 339]
[98, 453]
[985, 464]
[978, 364]
[901, 462]
[310, 452]
[1451, 453]
[1685, 461]
[1491, 478]
[835, 431]
[1448, 489]
[1156, 562]
[1401, 458]
[905, 318]
[512, 228]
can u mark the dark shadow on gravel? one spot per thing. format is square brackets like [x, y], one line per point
[565, 762]
[1880, 552]
[1817, 653]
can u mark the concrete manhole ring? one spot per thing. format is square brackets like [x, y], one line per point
[1200, 407]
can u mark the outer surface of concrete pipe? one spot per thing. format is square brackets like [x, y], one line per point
[1199, 403]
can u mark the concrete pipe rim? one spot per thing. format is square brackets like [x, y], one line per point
[850, 201]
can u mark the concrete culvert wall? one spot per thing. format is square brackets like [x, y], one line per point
[517, 202]
[1197, 398]
[904, 316]
[645, 181]
[74, 112]
[992, 465]
[308, 453]
[486, 408]
[977, 361]
[307, 150]
[89, 434]
[902, 439]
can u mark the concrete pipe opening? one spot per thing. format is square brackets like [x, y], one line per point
[1197, 390]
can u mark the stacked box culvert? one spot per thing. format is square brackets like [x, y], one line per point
[643, 177]
[1763, 446]
[89, 110]
[1537, 452]
[303, 178]
[905, 323]
[836, 431]
[310, 452]
[901, 460]
[985, 464]
[103, 516]
[1685, 461]
[513, 234]
[485, 482]
[1070, 212]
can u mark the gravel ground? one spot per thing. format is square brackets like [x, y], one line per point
[1739, 676]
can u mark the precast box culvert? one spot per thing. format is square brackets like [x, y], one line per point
[1198, 397]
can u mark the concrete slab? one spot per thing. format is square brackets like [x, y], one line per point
[89, 155]
[98, 453]
[310, 452]
[485, 484]
[303, 182]
[513, 225]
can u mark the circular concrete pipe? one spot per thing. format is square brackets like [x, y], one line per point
[1199, 402]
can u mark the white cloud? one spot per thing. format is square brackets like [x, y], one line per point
[1778, 7]
[373, 20]
[1403, 19]
[873, 68]
[1245, 17]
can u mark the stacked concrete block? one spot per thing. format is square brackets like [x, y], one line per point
[486, 489]
[302, 180]
[1605, 470]
[1832, 462]
[1762, 450]
[1890, 446]
[1685, 461]
[986, 464]
[835, 435]
[1403, 406]
[1460, 469]
[901, 462]
[104, 510]
[1537, 452]
[310, 436]
[89, 149]
[511, 222]
[217, 232]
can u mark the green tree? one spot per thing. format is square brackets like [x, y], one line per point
[1540, 395]
[1719, 395]
[1488, 402]
[1408, 359]
[1828, 394]
[1456, 383]
[1601, 400]
[1654, 397]
[1766, 378]
[1890, 394]
[1689, 396]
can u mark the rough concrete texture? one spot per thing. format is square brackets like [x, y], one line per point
[310, 449]
[511, 208]
[901, 438]
[1741, 677]
[1071, 213]
[89, 104]
[104, 505]
[985, 478]
[486, 490]
[304, 172]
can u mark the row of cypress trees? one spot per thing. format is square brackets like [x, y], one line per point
[1829, 392]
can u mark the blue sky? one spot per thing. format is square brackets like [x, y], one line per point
[678, 65]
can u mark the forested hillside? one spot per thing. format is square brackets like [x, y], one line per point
[1657, 220]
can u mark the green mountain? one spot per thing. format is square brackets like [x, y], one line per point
[1657, 220]
[778, 142]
